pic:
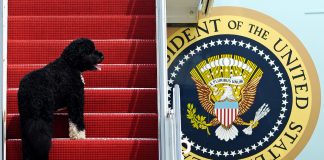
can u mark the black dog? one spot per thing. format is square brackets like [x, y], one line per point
[57, 85]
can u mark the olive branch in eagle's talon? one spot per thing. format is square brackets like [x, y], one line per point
[197, 121]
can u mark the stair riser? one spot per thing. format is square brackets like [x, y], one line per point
[98, 126]
[81, 7]
[120, 100]
[120, 76]
[94, 149]
[116, 52]
[71, 27]
[107, 101]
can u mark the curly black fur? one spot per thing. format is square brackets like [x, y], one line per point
[55, 86]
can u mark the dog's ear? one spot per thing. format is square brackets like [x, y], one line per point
[75, 49]
[69, 53]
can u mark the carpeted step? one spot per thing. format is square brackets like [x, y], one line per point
[72, 27]
[81, 7]
[127, 125]
[122, 76]
[98, 149]
[120, 101]
[107, 100]
[127, 51]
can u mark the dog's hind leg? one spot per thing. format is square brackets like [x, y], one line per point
[36, 107]
[27, 152]
[36, 139]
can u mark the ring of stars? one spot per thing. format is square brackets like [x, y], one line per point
[277, 72]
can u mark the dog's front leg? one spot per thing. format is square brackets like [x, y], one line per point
[76, 120]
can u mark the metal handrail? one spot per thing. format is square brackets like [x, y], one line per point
[161, 42]
[4, 74]
[169, 121]
[177, 113]
[173, 125]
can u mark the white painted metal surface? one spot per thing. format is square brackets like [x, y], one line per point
[177, 113]
[4, 74]
[182, 11]
[161, 45]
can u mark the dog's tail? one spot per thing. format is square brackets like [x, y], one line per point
[36, 139]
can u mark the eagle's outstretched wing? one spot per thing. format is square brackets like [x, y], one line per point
[248, 95]
[204, 96]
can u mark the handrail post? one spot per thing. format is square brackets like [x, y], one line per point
[4, 75]
[161, 45]
[177, 113]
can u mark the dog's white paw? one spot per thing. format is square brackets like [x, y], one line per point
[74, 133]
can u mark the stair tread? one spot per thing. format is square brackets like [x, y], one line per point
[107, 100]
[120, 101]
[118, 76]
[98, 125]
[128, 51]
[80, 7]
[93, 149]
[72, 27]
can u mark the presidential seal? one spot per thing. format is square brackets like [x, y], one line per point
[249, 90]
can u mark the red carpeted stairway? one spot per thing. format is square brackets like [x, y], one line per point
[120, 101]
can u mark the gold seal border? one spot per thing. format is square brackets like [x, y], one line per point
[302, 52]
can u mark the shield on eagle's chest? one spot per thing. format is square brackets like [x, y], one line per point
[226, 112]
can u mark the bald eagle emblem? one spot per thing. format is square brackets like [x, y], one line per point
[226, 87]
